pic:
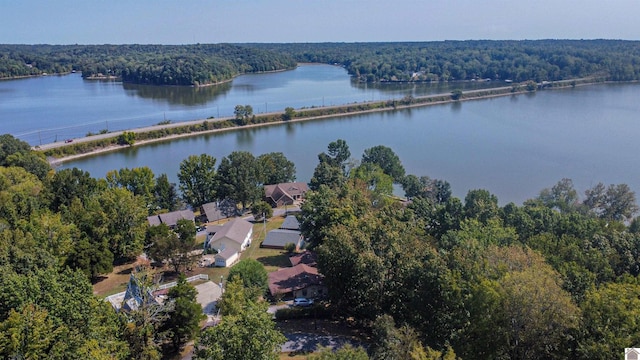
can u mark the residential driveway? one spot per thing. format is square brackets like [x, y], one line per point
[273, 308]
[208, 295]
[310, 342]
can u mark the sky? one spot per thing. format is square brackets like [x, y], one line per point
[282, 21]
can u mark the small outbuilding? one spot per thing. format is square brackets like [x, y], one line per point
[290, 223]
[278, 238]
[226, 257]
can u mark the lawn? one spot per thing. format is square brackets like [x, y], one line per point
[272, 259]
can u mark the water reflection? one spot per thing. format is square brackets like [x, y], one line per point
[178, 95]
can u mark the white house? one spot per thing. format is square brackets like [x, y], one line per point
[235, 234]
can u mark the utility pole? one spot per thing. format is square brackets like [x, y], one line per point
[39, 137]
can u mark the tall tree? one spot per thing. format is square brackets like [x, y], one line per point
[562, 196]
[337, 154]
[30, 334]
[175, 248]
[239, 178]
[33, 162]
[253, 276]
[388, 161]
[198, 181]
[123, 217]
[166, 196]
[615, 202]
[69, 184]
[275, 168]
[327, 175]
[140, 181]
[517, 307]
[481, 204]
[184, 320]
[437, 191]
[9, 145]
[21, 195]
[376, 179]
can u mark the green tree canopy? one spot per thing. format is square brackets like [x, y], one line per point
[250, 334]
[386, 159]
[275, 168]
[198, 181]
[239, 178]
[253, 276]
[184, 320]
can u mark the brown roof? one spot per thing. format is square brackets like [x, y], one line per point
[306, 257]
[288, 190]
[294, 278]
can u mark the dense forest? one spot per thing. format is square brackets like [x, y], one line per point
[538, 60]
[517, 61]
[430, 277]
[142, 64]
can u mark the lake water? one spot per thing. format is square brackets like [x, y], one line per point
[513, 146]
[47, 109]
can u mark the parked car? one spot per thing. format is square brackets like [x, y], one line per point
[68, 141]
[302, 302]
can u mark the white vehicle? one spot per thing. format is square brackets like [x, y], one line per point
[302, 302]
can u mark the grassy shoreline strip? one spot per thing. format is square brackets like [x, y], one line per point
[87, 148]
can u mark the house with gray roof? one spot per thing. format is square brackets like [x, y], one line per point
[171, 218]
[219, 210]
[278, 238]
[235, 234]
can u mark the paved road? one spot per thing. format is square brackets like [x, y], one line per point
[199, 121]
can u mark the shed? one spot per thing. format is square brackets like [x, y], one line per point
[226, 257]
[278, 238]
[290, 223]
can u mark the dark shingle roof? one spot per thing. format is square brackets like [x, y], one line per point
[290, 223]
[294, 278]
[281, 237]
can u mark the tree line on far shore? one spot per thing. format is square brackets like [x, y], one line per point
[201, 64]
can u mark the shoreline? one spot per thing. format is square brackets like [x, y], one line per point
[496, 92]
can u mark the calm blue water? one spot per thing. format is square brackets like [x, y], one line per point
[512, 146]
[48, 109]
